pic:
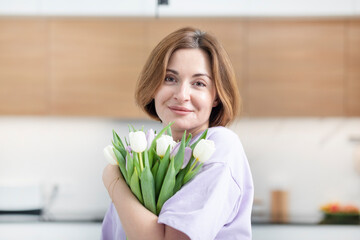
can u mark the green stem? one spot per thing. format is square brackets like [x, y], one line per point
[191, 168]
[141, 162]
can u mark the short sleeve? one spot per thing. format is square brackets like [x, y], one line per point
[204, 205]
[111, 226]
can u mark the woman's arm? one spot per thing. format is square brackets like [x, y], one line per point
[137, 221]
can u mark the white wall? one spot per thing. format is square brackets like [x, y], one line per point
[67, 152]
[309, 157]
[181, 8]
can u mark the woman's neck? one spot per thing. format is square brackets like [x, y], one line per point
[177, 135]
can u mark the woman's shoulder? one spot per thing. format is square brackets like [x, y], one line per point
[227, 144]
[222, 135]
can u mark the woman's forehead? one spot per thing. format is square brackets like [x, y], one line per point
[193, 60]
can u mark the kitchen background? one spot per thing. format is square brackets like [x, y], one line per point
[67, 72]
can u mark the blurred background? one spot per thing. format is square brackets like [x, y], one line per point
[67, 75]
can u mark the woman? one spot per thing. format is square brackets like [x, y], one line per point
[189, 79]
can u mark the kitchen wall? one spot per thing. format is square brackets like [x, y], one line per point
[311, 158]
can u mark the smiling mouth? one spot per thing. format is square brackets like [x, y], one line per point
[180, 110]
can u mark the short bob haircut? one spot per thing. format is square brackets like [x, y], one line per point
[153, 74]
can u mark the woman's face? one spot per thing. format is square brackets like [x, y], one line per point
[187, 94]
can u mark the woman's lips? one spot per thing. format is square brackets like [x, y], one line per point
[180, 110]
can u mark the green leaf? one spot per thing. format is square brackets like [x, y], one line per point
[155, 168]
[163, 166]
[188, 139]
[135, 186]
[167, 188]
[179, 157]
[120, 149]
[155, 158]
[117, 139]
[148, 189]
[190, 175]
[179, 180]
[131, 128]
[122, 164]
[168, 132]
[130, 165]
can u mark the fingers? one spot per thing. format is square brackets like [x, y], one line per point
[110, 174]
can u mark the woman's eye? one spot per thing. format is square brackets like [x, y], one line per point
[199, 84]
[169, 79]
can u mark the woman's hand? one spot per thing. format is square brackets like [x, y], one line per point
[131, 213]
[111, 176]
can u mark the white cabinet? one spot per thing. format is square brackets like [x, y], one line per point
[54, 231]
[98, 7]
[181, 8]
[78, 7]
[259, 8]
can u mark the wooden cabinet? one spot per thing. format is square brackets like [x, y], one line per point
[89, 66]
[295, 68]
[24, 85]
[94, 66]
[352, 83]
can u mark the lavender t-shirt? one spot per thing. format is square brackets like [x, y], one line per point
[216, 204]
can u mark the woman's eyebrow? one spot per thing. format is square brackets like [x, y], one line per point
[201, 75]
[195, 75]
[173, 71]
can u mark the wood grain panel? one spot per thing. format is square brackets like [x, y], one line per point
[296, 68]
[23, 66]
[94, 65]
[229, 31]
[353, 69]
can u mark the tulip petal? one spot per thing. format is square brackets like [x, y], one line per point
[128, 149]
[138, 141]
[203, 150]
[162, 144]
[109, 155]
[175, 149]
[150, 135]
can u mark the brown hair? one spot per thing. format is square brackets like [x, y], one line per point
[154, 71]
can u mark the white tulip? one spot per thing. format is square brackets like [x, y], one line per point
[203, 150]
[163, 143]
[138, 141]
[110, 155]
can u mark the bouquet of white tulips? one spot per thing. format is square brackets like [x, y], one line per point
[155, 167]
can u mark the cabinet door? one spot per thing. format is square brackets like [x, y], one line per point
[24, 88]
[353, 69]
[95, 65]
[295, 68]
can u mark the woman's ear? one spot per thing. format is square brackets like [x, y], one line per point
[216, 102]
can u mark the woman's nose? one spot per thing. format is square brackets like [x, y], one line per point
[182, 93]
